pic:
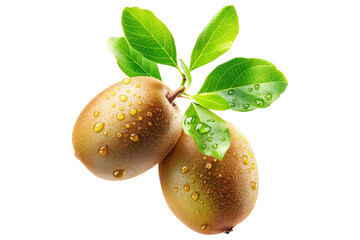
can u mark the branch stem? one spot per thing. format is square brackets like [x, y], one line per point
[171, 96]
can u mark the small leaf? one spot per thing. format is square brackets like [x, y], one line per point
[130, 61]
[246, 83]
[187, 74]
[216, 38]
[212, 101]
[149, 36]
[209, 131]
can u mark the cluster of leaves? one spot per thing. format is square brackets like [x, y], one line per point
[241, 84]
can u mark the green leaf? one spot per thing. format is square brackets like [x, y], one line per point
[130, 61]
[209, 131]
[149, 36]
[246, 83]
[212, 101]
[187, 74]
[216, 38]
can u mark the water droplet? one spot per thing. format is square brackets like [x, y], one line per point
[253, 165]
[210, 139]
[185, 169]
[205, 226]
[223, 139]
[234, 100]
[259, 102]
[257, 87]
[245, 140]
[139, 103]
[241, 170]
[250, 89]
[96, 114]
[203, 128]
[204, 157]
[134, 137]
[231, 92]
[138, 97]
[242, 95]
[103, 150]
[105, 133]
[121, 108]
[187, 187]
[254, 185]
[130, 103]
[268, 97]
[211, 134]
[192, 180]
[252, 155]
[220, 175]
[128, 91]
[150, 123]
[120, 116]
[246, 106]
[249, 170]
[127, 125]
[214, 146]
[176, 189]
[137, 85]
[239, 146]
[140, 118]
[112, 93]
[149, 114]
[208, 165]
[245, 160]
[123, 98]
[119, 135]
[195, 196]
[132, 112]
[107, 97]
[190, 120]
[119, 173]
[113, 105]
[203, 146]
[234, 153]
[232, 105]
[98, 127]
[134, 94]
[126, 80]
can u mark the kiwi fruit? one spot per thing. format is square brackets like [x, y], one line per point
[208, 195]
[127, 128]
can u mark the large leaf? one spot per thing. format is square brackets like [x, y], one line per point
[130, 61]
[149, 36]
[246, 83]
[209, 131]
[216, 38]
[212, 101]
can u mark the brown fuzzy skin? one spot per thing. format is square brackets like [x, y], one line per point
[227, 190]
[157, 132]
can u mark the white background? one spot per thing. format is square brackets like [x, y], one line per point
[53, 61]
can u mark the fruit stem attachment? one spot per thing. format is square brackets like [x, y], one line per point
[171, 96]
